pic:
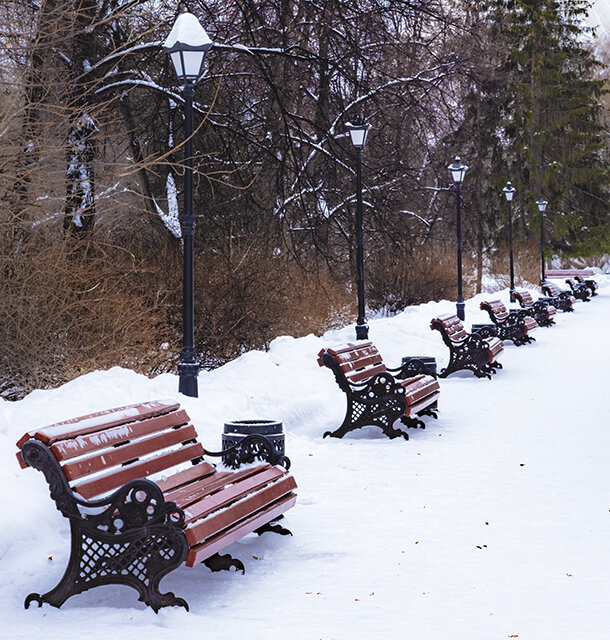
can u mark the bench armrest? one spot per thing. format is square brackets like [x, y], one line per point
[409, 370]
[136, 504]
[519, 314]
[250, 448]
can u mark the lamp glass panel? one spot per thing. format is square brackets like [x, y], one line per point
[358, 136]
[192, 63]
[177, 61]
[458, 174]
[509, 193]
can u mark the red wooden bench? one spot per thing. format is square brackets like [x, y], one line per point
[579, 289]
[580, 278]
[589, 283]
[541, 310]
[568, 273]
[467, 350]
[377, 395]
[142, 500]
[561, 299]
[511, 326]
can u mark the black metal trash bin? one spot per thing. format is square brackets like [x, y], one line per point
[416, 365]
[238, 429]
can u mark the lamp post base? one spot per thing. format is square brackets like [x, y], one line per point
[511, 294]
[362, 332]
[460, 310]
[188, 372]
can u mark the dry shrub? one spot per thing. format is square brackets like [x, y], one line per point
[71, 308]
[248, 296]
[526, 258]
[399, 278]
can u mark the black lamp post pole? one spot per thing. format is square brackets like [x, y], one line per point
[510, 249]
[460, 299]
[542, 246]
[188, 368]
[362, 330]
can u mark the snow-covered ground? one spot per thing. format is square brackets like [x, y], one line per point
[494, 522]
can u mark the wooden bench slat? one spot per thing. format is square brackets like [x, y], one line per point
[359, 363]
[186, 496]
[82, 444]
[227, 494]
[421, 389]
[530, 323]
[200, 552]
[204, 528]
[350, 347]
[458, 335]
[107, 458]
[421, 404]
[365, 374]
[358, 352]
[206, 485]
[186, 476]
[142, 469]
[98, 421]
[496, 346]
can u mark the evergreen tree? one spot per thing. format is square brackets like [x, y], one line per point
[554, 130]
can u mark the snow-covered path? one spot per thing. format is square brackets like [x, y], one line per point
[494, 522]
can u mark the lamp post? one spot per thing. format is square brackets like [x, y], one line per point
[187, 45]
[358, 132]
[458, 171]
[542, 208]
[509, 192]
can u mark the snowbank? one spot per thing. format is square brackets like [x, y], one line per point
[493, 522]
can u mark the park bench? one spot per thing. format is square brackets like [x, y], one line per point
[582, 276]
[511, 326]
[563, 300]
[541, 310]
[141, 499]
[374, 395]
[579, 290]
[589, 283]
[568, 273]
[469, 351]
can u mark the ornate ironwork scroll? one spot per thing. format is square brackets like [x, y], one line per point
[472, 354]
[132, 537]
[251, 448]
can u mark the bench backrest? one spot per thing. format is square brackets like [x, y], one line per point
[100, 452]
[565, 273]
[551, 288]
[574, 284]
[357, 362]
[525, 298]
[496, 308]
[450, 327]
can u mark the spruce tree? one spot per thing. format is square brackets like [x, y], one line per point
[554, 132]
